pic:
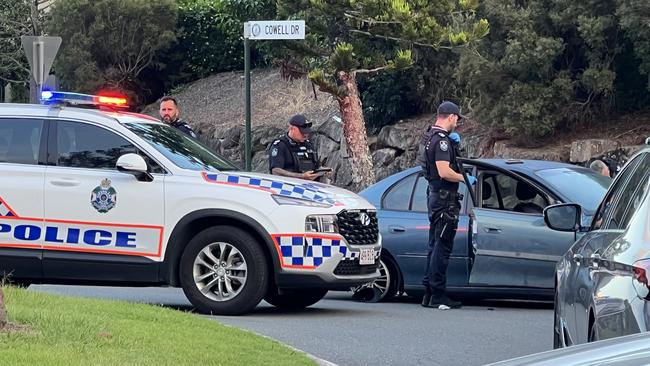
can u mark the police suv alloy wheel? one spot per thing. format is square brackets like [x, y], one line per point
[223, 271]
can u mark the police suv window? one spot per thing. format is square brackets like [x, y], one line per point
[81, 145]
[20, 140]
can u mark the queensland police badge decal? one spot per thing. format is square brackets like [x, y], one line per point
[104, 197]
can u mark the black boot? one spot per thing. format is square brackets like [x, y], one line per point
[427, 297]
[443, 302]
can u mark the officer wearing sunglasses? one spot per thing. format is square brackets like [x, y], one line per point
[293, 155]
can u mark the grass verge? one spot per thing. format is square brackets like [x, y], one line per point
[76, 331]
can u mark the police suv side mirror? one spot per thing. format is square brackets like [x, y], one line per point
[563, 217]
[134, 164]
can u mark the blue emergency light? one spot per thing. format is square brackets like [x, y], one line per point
[57, 97]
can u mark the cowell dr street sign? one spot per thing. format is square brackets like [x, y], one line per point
[275, 29]
[260, 30]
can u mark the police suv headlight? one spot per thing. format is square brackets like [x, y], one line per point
[284, 200]
[321, 224]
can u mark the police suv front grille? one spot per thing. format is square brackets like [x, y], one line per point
[353, 268]
[359, 227]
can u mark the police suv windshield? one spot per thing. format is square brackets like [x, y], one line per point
[584, 187]
[181, 149]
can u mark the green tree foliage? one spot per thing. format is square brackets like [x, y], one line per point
[209, 38]
[18, 18]
[550, 65]
[348, 39]
[108, 43]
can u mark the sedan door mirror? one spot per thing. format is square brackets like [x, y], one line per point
[563, 217]
[134, 164]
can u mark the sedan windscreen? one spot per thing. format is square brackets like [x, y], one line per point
[582, 186]
[181, 149]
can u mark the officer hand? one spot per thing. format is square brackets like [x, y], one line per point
[454, 137]
[471, 179]
[310, 175]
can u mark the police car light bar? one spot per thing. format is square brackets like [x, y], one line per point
[54, 97]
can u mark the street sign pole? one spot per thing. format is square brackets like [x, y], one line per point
[40, 52]
[263, 30]
[247, 92]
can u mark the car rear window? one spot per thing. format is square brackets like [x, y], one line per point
[582, 186]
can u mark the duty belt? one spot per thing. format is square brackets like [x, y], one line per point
[446, 195]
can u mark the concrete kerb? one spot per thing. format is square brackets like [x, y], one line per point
[319, 361]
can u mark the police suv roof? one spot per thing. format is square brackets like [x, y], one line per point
[103, 116]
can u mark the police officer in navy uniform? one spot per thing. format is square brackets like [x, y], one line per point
[293, 155]
[437, 155]
[169, 113]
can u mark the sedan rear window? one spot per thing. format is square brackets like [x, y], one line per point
[582, 186]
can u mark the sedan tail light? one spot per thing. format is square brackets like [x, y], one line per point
[641, 270]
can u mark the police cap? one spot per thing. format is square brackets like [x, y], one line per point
[450, 108]
[301, 122]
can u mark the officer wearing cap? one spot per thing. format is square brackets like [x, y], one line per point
[293, 155]
[169, 113]
[437, 156]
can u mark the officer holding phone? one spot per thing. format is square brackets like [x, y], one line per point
[293, 155]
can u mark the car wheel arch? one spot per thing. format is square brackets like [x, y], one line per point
[197, 221]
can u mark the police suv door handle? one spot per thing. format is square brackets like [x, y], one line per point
[396, 229]
[65, 182]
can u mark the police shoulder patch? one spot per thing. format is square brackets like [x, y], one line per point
[444, 146]
[274, 151]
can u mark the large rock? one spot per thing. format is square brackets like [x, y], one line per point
[263, 136]
[584, 150]
[332, 128]
[504, 151]
[397, 137]
[381, 161]
[232, 137]
[324, 147]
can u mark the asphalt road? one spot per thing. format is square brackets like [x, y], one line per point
[401, 332]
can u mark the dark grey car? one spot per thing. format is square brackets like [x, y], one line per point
[602, 288]
[502, 247]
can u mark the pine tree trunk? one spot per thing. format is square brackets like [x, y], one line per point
[3, 310]
[354, 131]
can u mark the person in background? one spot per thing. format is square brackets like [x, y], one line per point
[169, 113]
[600, 167]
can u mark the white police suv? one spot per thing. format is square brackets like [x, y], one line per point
[116, 198]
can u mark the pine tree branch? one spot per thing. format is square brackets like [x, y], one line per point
[401, 40]
[371, 71]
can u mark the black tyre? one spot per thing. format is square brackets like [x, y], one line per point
[557, 326]
[383, 288]
[294, 299]
[223, 271]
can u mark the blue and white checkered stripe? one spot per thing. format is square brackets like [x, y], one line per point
[310, 252]
[4, 209]
[304, 191]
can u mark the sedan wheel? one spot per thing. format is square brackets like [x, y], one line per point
[383, 288]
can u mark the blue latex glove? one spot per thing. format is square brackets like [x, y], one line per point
[455, 137]
[471, 179]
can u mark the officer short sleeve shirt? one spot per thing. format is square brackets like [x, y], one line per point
[440, 149]
[280, 157]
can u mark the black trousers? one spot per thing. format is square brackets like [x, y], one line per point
[435, 275]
